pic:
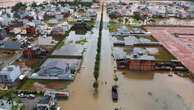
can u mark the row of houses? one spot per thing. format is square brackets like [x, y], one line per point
[175, 9]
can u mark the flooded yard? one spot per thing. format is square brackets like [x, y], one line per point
[158, 52]
[74, 44]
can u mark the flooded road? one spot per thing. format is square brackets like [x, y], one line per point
[137, 90]
[81, 89]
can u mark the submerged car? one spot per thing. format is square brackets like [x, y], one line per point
[114, 93]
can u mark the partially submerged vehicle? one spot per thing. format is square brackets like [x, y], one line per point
[114, 93]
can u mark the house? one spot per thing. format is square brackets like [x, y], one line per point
[3, 36]
[34, 52]
[16, 23]
[123, 32]
[61, 28]
[46, 103]
[91, 13]
[37, 22]
[30, 28]
[59, 16]
[53, 21]
[86, 0]
[56, 70]
[84, 19]
[13, 45]
[15, 30]
[130, 41]
[46, 40]
[9, 74]
[4, 21]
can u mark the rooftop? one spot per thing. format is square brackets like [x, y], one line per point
[8, 69]
[45, 100]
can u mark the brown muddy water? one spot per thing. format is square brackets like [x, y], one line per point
[137, 90]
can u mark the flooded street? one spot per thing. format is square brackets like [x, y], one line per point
[69, 63]
[137, 90]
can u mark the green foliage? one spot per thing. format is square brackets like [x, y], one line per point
[120, 20]
[19, 101]
[97, 63]
[34, 4]
[60, 45]
[95, 85]
[51, 25]
[83, 41]
[53, 108]
[19, 5]
[116, 78]
[81, 31]
[126, 20]
[83, 51]
[113, 15]
[96, 75]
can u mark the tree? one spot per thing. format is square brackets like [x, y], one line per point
[34, 4]
[116, 78]
[9, 97]
[95, 85]
[19, 5]
[112, 15]
[126, 20]
[120, 20]
[96, 74]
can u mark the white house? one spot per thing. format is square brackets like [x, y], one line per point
[46, 41]
[10, 73]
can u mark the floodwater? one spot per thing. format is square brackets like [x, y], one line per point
[137, 90]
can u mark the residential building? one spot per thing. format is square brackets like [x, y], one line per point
[56, 70]
[9, 74]
[46, 103]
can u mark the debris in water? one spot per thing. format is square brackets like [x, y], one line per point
[170, 75]
[149, 93]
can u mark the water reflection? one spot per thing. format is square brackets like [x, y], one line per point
[138, 75]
